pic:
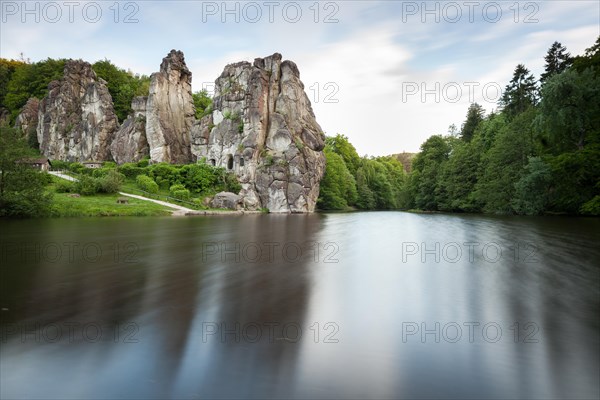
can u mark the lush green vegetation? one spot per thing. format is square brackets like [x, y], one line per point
[539, 154]
[20, 80]
[365, 183]
[190, 183]
[203, 103]
[22, 188]
[100, 205]
[122, 85]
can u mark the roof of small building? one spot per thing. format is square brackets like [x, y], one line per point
[35, 161]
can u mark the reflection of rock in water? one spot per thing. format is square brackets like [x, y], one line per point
[264, 295]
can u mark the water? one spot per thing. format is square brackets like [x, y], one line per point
[147, 307]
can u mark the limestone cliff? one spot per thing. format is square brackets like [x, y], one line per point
[263, 128]
[76, 120]
[170, 111]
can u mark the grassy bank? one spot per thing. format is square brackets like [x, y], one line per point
[104, 205]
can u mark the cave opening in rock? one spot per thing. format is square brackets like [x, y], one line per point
[229, 162]
[241, 161]
[213, 162]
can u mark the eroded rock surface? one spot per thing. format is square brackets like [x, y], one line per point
[130, 143]
[170, 111]
[263, 128]
[76, 120]
[27, 120]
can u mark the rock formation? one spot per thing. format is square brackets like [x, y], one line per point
[170, 111]
[130, 143]
[27, 120]
[263, 128]
[76, 120]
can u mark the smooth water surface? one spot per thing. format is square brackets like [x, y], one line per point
[355, 305]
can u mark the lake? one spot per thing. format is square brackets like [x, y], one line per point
[348, 305]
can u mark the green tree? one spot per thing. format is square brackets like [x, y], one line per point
[532, 190]
[340, 144]
[122, 85]
[203, 103]
[475, 115]
[557, 61]
[520, 94]
[338, 187]
[22, 188]
[31, 80]
[427, 167]
[503, 164]
[570, 110]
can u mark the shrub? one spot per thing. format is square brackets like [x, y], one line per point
[77, 168]
[59, 165]
[179, 191]
[112, 181]
[87, 186]
[231, 183]
[143, 163]
[64, 186]
[131, 170]
[146, 183]
[109, 164]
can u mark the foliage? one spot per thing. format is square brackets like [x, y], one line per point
[146, 183]
[178, 191]
[111, 182]
[202, 102]
[22, 188]
[532, 190]
[338, 188]
[520, 93]
[557, 61]
[122, 85]
[474, 117]
[30, 80]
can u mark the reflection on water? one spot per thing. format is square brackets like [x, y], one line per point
[355, 305]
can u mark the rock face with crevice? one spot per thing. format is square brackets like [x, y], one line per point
[170, 111]
[27, 120]
[76, 120]
[130, 143]
[263, 128]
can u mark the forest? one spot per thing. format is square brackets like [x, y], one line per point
[538, 153]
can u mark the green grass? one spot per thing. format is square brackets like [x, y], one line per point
[102, 205]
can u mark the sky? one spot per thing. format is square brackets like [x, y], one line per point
[387, 74]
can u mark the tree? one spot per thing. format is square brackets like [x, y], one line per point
[122, 85]
[475, 115]
[591, 58]
[341, 145]
[503, 164]
[520, 94]
[569, 113]
[31, 80]
[338, 187]
[202, 102]
[532, 190]
[427, 167]
[22, 188]
[557, 61]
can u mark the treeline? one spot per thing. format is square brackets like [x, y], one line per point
[22, 79]
[539, 154]
[365, 183]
